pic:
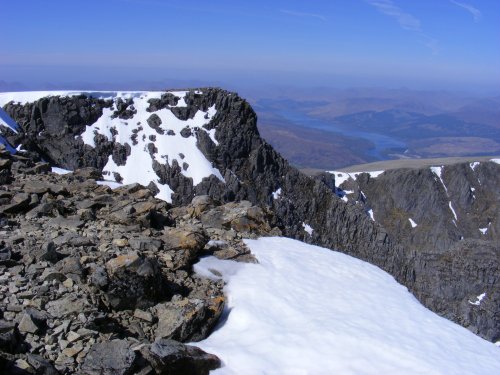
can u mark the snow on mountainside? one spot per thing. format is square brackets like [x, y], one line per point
[306, 309]
[149, 136]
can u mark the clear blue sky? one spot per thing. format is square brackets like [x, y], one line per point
[435, 43]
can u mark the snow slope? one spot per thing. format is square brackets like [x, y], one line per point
[168, 143]
[309, 310]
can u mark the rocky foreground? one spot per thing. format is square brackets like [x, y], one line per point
[100, 281]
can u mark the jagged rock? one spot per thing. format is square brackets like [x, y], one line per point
[41, 365]
[10, 338]
[67, 306]
[110, 358]
[20, 202]
[173, 358]
[88, 173]
[154, 122]
[135, 282]
[188, 319]
[32, 321]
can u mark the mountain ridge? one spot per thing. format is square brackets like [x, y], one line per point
[252, 170]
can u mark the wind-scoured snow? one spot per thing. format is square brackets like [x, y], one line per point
[308, 310]
[438, 172]
[308, 228]
[412, 223]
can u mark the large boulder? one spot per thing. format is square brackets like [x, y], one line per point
[169, 357]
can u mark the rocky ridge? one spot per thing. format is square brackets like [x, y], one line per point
[100, 281]
[306, 208]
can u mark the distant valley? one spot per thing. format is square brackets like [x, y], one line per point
[338, 129]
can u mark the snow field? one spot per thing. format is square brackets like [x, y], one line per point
[308, 310]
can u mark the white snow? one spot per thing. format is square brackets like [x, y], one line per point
[413, 224]
[57, 170]
[478, 300]
[474, 165]
[341, 177]
[344, 198]
[495, 161]
[308, 310]
[370, 213]
[452, 211]
[24, 97]
[483, 230]
[438, 172]
[308, 228]
[277, 193]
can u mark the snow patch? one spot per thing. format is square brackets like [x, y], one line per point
[495, 161]
[167, 148]
[452, 211]
[412, 223]
[478, 300]
[308, 228]
[483, 230]
[438, 172]
[308, 310]
[341, 177]
[277, 193]
[474, 165]
[57, 170]
[370, 213]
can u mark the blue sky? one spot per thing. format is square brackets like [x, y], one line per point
[414, 43]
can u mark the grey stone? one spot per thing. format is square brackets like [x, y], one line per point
[110, 358]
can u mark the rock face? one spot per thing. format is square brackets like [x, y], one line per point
[449, 218]
[305, 208]
[101, 281]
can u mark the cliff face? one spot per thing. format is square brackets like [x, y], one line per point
[57, 129]
[448, 219]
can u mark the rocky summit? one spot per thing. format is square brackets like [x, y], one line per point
[192, 176]
[99, 281]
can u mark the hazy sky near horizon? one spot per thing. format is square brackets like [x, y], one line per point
[414, 43]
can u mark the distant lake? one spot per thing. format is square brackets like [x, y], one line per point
[382, 145]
